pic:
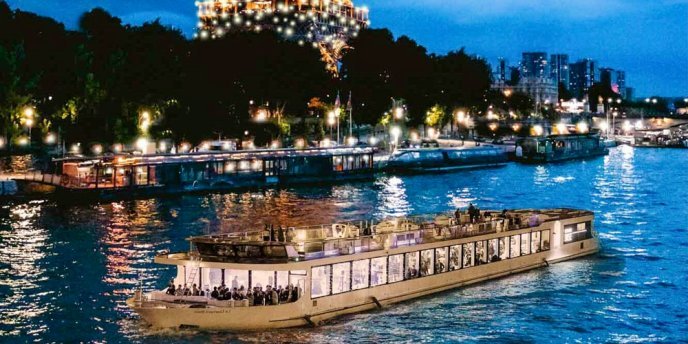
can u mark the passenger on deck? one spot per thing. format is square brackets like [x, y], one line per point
[215, 294]
[457, 215]
[471, 212]
[195, 291]
[280, 234]
[534, 220]
[170, 288]
[268, 295]
[179, 291]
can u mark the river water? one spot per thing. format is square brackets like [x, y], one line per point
[66, 270]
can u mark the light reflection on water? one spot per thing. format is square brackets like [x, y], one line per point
[65, 270]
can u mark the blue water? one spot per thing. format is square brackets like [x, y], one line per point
[65, 270]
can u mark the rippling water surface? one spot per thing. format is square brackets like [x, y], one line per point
[66, 270]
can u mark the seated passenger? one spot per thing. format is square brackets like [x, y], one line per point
[215, 294]
[195, 291]
[170, 288]
[179, 291]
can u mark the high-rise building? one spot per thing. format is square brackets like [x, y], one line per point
[615, 80]
[621, 82]
[583, 75]
[559, 65]
[501, 71]
[535, 65]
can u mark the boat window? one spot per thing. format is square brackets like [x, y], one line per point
[481, 252]
[214, 277]
[493, 250]
[427, 259]
[275, 251]
[341, 277]
[535, 242]
[455, 257]
[320, 281]
[282, 279]
[432, 155]
[412, 264]
[577, 232]
[407, 157]
[515, 246]
[396, 268]
[378, 271]
[456, 155]
[545, 240]
[236, 278]
[248, 251]
[525, 244]
[361, 274]
[504, 248]
[468, 254]
[262, 279]
[441, 260]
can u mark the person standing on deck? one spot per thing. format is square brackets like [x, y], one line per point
[471, 212]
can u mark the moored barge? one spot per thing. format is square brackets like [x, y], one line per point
[422, 160]
[120, 176]
[555, 148]
[308, 275]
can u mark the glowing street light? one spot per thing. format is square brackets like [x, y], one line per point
[117, 148]
[142, 144]
[23, 141]
[399, 113]
[145, 121]
[351, 141]
[97, 149]
[395, 131]
[561, 129]
[538, 130]
[604, 126]
[516, 127]
[493, 126]
[582, 128]
[50, 139]
[2, 142]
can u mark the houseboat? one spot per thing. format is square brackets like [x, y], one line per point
[445, 159]
[554, 148]
[304, 276]
[676, 137]
[132, 175]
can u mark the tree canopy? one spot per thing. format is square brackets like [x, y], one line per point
[94, 84]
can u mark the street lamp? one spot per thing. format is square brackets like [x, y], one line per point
[395, 131]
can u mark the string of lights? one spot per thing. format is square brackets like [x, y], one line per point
[327, 25]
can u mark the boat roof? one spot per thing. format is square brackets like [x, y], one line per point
[156, 159]
[430, 149]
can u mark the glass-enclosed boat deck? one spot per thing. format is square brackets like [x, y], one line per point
[294, 244]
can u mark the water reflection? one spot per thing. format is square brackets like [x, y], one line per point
[23, 244]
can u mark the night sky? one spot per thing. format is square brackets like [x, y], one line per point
[647, 38]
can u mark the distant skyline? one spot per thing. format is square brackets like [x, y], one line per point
[647, 39]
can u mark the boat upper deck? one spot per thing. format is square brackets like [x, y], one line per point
[281, 245]
[159, 159]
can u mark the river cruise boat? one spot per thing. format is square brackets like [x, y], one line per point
[555, 148]
[144, 175]
[247, 281]
[421, 160]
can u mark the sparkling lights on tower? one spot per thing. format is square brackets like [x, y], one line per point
[327, 25]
